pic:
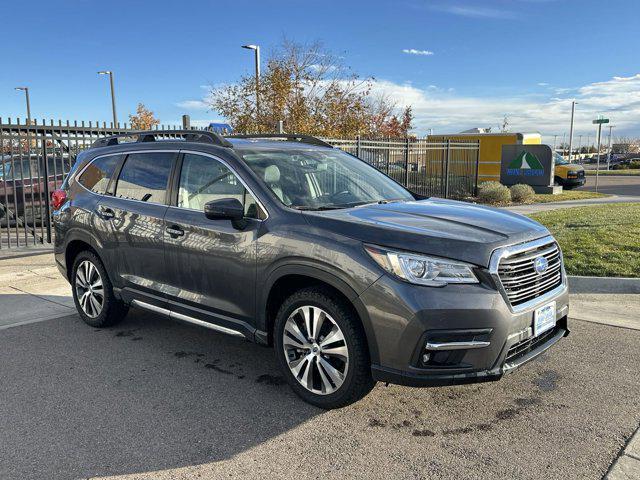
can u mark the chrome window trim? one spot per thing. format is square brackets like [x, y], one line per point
[502, 252]
[232, 170]
[76, 177]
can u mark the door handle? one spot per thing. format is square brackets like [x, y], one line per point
[175, 231]
[106, 212]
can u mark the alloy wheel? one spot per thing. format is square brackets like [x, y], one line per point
[315, 350]
[89, 289]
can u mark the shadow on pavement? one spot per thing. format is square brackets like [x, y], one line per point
[145, 395]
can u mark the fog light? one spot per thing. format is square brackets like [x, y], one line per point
[426, 357]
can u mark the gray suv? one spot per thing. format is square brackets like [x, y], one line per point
[286, 241]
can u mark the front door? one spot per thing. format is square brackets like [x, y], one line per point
[211, 263]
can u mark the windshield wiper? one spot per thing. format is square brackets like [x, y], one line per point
[322, 207]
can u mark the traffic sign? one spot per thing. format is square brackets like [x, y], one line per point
[600, 121]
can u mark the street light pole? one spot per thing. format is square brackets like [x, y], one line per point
[611, 127]
[113, 95]
[555, 137]
[26, 95]
[573, 111]
[256, 50]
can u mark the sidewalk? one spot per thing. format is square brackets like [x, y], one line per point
[31, 289]
[543, 207]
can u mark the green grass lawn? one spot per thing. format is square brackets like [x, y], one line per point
[566, 195]
[602, 240]
[613, 172]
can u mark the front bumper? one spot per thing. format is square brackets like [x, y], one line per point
[404, 317]
[573, 182]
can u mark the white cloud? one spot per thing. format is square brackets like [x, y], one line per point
[193, 105]
[475, 12]
[543, 84]
[448, 112]
[413, 51]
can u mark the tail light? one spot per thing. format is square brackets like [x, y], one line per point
[58, 198]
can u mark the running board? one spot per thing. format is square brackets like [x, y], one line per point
[186, 318]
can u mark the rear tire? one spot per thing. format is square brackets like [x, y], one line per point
[328, 366]
[93, 292]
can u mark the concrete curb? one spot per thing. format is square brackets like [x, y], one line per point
[579, 284]
[627, 465]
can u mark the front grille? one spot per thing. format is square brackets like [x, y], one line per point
[581, 174]
[525, 346]
[519, 278]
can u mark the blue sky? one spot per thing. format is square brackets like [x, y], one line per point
[524, 58]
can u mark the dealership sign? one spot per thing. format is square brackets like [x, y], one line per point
[529, 164]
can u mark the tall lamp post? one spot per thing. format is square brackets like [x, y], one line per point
[256, 50]
[113, 95]
[26, 95]
[573, 111]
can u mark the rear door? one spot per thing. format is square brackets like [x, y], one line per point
[135, 221]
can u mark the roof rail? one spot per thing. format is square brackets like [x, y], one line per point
[286, 136]
[203, 136]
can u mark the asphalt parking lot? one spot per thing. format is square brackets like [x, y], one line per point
[614, 185]
[152, 398]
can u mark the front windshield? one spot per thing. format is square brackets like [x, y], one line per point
[558, 159]
[322, 179]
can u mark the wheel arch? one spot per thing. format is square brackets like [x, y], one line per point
[289, 278]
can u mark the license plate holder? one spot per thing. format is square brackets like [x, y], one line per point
[544, 318]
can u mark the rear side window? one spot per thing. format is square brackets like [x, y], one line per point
[97, 175]
[145, 176]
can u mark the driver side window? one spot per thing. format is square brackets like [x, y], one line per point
[203, 179]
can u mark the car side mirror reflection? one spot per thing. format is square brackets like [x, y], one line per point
[224, 208]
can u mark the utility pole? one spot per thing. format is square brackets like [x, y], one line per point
[573, 111]
[580, 144]
[555, 137]
[611, 127]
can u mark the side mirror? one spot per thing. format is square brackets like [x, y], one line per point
[224, 208]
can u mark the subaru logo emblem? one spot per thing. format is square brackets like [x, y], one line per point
[540, 265]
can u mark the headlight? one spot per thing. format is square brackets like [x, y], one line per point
[422, 269]
[572, 172]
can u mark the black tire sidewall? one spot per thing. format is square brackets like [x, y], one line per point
[358, 359]
[110, 306]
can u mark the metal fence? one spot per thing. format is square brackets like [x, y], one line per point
[442, 169]
[35, 158]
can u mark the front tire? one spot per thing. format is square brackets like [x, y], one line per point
[93, 292]
[321, 349]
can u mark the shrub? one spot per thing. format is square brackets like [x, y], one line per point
[494, 193]
[522, 193]
[635, 164]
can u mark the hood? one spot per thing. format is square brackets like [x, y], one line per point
[445, 228]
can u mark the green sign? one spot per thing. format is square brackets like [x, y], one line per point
[601, 120]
